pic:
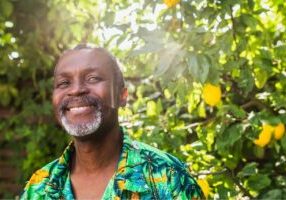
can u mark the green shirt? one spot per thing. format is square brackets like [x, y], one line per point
[143, 172]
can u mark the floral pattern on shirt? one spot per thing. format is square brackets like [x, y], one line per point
[143, 172]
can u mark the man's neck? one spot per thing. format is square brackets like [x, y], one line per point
[97, 154]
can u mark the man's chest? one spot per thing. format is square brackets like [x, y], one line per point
[91, 186]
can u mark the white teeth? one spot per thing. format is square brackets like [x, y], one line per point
[79, 109]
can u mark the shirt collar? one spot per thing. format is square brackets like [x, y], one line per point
[57, 180]
[129, 174]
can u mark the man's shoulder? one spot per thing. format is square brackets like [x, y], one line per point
[169, 174]
[37, 183]
[43, 173]
[149, 152]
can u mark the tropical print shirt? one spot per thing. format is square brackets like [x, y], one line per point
[143, 172]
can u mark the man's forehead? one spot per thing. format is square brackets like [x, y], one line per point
[84, 58]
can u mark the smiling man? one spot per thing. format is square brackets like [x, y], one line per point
[102, 162]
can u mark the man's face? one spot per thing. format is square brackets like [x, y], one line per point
[85, 92]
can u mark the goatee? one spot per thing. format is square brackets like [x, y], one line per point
[81, 129]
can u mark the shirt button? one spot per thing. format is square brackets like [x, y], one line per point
[135, 145]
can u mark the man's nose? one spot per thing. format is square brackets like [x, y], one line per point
[77, 89]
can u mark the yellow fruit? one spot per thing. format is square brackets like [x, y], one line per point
[204, 186]
[265, 135]
[279, 131]
[171, 3]
[211, 94]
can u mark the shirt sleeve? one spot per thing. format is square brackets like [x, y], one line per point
[184, 186]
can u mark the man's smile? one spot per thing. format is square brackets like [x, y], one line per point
[80, 109]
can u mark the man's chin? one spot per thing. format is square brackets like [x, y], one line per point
[80, 129]
[95, 134]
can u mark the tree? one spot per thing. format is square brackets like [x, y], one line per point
[206, 82]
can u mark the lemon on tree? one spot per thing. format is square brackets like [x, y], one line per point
[211, 94]
[279, 131]
[171, 3]
[264, 136]
[203, 183]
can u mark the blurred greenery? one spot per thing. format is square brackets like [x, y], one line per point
[168, 55]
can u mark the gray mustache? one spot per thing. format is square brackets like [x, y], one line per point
[85, 100]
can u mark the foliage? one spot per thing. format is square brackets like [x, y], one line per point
[169, 54]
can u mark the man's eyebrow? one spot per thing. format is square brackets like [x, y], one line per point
[62, 74]
[90, 69]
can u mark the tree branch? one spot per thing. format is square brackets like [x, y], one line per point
[238, 184]
[233, 30]
[258, 104]
[223, 171]
[135, 79]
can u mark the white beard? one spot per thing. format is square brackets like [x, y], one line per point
[80, 130]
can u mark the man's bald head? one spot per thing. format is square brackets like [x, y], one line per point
[119, 79]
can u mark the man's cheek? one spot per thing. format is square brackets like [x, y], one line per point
[56, 113]
[56, 104]
[55, 100]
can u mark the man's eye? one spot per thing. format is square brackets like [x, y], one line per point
[62, 84]
[94, 79]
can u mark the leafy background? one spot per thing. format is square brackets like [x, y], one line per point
[169, 51]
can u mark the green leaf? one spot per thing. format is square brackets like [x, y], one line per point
[230, 136]
[156, 36]
[149, 47]
[273, 194]
[248, 170]
[198, 66]
[246, 81]
[250, 4]
[204, 66]
[193, 65]
[283, 143]
[151, 109]
[249, 20]
[261, 77]
[109, 18]
[236, 111]
[122, 27]
[259, 152]
[280, 51]
[172, 53]
[258, 182]
[202, 110]
[167, 94]
[6, 8]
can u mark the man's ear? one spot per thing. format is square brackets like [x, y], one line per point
[123, 97]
